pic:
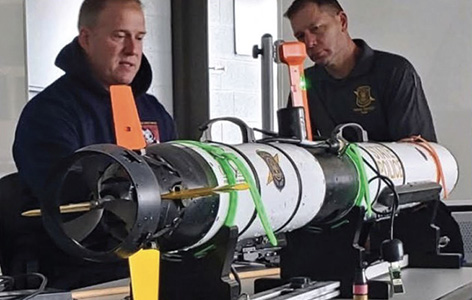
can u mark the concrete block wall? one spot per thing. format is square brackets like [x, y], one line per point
[235, 80]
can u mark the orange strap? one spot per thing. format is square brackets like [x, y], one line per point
[420, 141]
[293, 54]
[128, 129]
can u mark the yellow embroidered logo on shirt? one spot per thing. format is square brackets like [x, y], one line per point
[364, 100]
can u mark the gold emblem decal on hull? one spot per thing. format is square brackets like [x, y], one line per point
[276, 174]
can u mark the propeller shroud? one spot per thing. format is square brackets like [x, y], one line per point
[125, 201]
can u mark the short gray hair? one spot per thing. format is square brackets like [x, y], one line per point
[90, 9]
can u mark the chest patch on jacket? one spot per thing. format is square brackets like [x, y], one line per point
[364, 100]
[150, 132]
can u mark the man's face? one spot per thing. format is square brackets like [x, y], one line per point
[321, 29]
[114, 46]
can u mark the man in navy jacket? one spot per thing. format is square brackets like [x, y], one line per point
[75, 110]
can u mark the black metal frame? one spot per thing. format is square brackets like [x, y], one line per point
[200, 278]
[190, 62]
[335, 253]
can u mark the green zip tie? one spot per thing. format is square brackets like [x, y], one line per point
[353, 152]
[228, 171]
[233, 195]
[360, 193]
[256, 197]
[217, 152]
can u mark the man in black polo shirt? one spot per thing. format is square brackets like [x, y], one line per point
[350, 82]
[381, 91]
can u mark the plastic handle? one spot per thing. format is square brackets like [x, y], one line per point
[293, 54]
[246, 132]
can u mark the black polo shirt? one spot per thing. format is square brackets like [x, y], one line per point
[383, 94]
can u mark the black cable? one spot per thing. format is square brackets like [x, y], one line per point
[6, 283]
[307, 144]
[266, 132]
[41, 287]
[25, 294]
[381, 213]
[396, 199]
[394, 203]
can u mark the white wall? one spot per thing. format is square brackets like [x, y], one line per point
[435, 36]
[44, 40]
[12, 76]
[235, 79]
[158, 49]
[52, 24]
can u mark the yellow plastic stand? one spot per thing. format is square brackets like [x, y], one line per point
[144, 270]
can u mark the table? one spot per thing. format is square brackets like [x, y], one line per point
[435, 284]
[420, 284]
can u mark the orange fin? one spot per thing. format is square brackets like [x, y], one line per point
[128, 129]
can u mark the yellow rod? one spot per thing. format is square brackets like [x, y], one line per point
[184, 194]
[69, 208]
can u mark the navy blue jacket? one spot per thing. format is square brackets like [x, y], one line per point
[74, 112]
